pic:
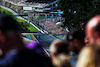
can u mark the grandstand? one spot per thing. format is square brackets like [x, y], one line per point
[41, 1]
[36, 5]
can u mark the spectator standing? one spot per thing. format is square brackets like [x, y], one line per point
[92, 30]
[89, 56]
[62, 60]
[75, 40]
[58, 48]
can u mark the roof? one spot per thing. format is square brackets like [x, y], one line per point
[41, 1]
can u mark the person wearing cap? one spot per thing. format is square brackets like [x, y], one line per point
[75, 40]
[15, 54]
[92, 30]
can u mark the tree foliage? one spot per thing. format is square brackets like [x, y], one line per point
[78, 12]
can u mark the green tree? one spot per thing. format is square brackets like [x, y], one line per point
[78, 12]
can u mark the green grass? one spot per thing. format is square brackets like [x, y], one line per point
[19, 20]
[6, 11]
[31, 28]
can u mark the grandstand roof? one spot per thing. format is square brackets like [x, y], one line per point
[41, 1]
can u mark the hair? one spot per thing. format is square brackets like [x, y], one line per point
[89, 56]
[76, 34]
[62, 60]
[97, 28]
[75, 40]
[94, 24]
[7, 23]
[58, 47]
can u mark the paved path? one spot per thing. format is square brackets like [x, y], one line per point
[45, 39]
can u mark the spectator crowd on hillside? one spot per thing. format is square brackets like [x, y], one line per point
[49, 25]
[79, 49]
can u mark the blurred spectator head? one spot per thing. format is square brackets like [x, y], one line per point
[75, 40]
[9, 33]
[37, 47]
[58, 47]
[89, 56]
[62, 60]
[7, 23]
[92, 30]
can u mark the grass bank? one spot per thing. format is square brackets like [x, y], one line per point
[31, 28]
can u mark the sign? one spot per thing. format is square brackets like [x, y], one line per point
[27, 8]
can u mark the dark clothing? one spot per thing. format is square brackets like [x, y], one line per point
[24, 58]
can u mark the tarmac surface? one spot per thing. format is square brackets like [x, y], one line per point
[44, 39]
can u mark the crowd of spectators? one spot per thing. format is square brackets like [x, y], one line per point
[34, 3]
[80, 52]
[53, 28]
[15, 1]
[47, 24]
[73, 52]
[27, 3]
[41, 1]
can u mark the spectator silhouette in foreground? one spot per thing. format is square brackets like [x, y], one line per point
[59, 48]
[75, 40]
[62, 60]
[15, 54]
[89, 56]
[92, 30]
